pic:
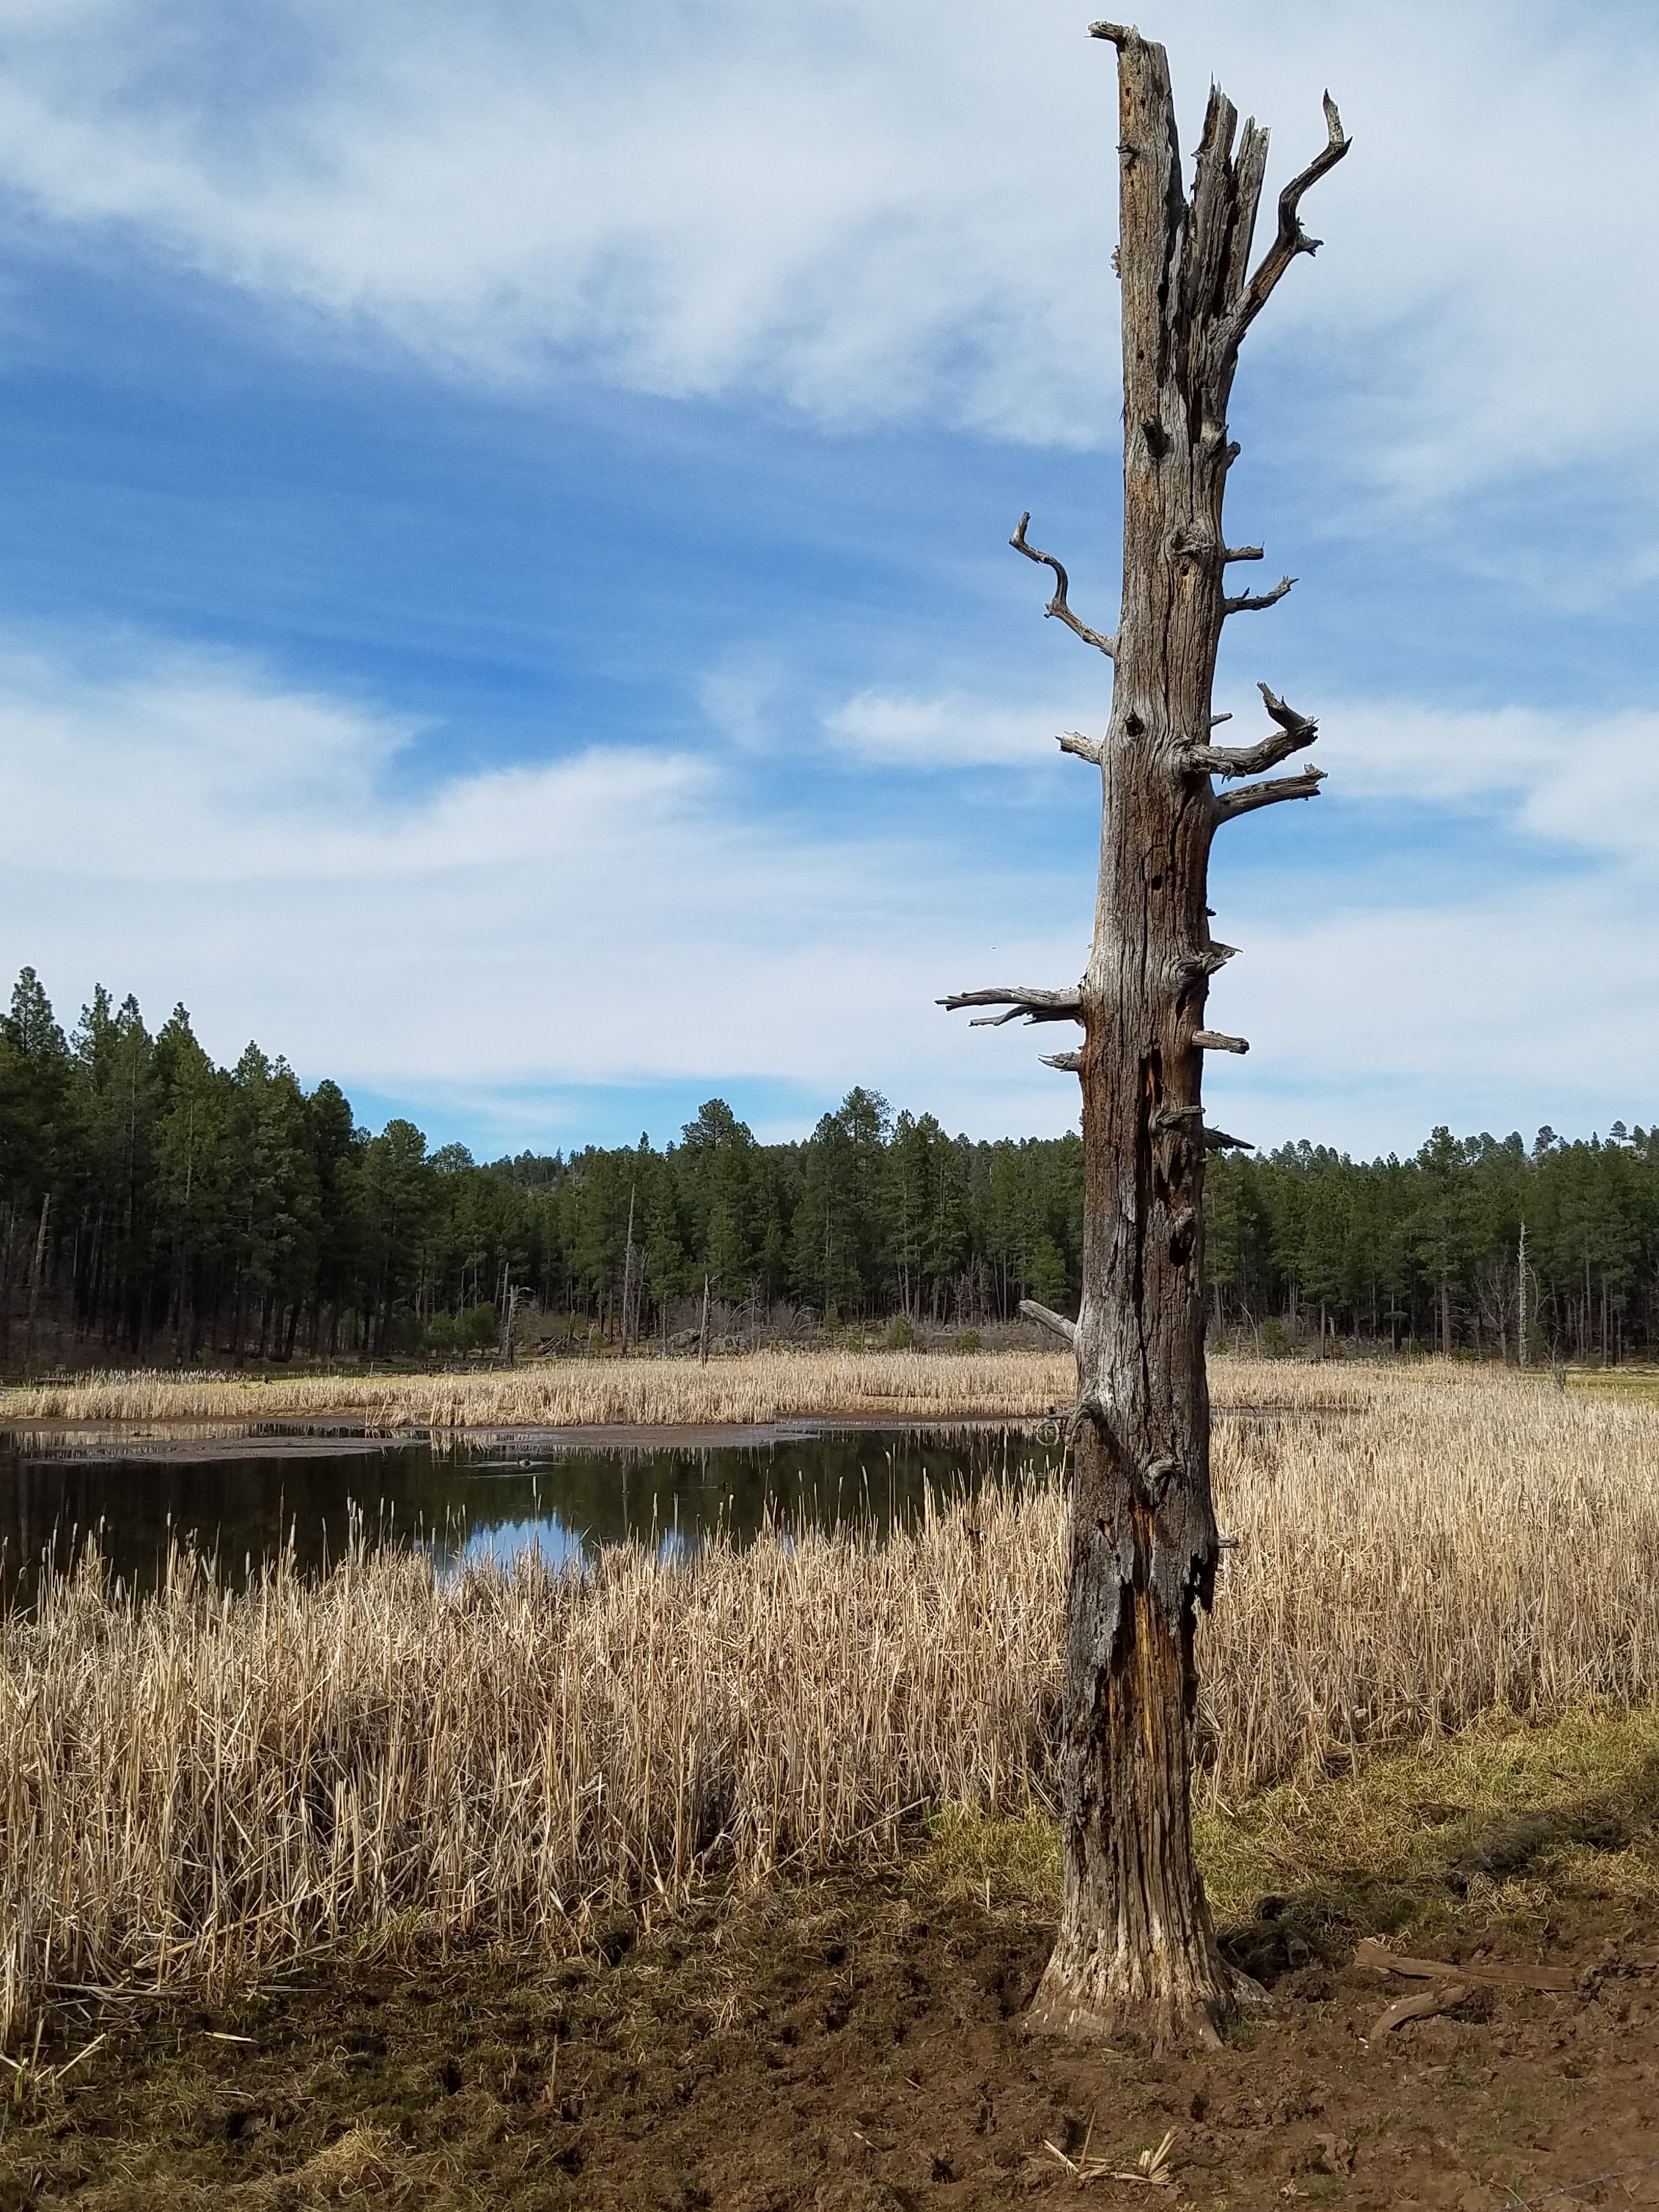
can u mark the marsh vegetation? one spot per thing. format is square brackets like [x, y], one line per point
[677, 1392]
[197, 1787]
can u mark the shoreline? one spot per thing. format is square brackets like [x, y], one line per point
[84, 1443]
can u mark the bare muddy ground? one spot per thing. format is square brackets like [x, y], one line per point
[856, 2043]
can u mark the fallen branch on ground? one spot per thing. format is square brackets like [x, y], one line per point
[1511, 1974]
[1423, 2006]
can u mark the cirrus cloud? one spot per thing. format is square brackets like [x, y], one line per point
[874, 212]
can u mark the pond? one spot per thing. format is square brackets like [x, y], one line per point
[239, 1498]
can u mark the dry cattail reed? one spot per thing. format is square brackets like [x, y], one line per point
[202, 1784]
[759, 1386]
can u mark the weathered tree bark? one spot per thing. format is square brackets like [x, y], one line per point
[1137, 1950]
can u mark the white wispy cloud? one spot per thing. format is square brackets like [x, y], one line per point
[950, 730]
[185, 824]
[1498, 987]
[1503, 988]
[613, 916]
[875, 210]
[1492, 1011]
[1565, 778]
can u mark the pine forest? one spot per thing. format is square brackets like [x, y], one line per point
[154, 1206]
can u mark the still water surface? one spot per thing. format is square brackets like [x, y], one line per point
[241, 1503]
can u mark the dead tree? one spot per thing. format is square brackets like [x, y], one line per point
[1137, 1949]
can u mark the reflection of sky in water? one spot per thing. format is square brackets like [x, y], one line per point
[558, 1546]
[501, 1542]
[469, 1507]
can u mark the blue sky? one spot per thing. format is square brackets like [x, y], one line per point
[503, 589]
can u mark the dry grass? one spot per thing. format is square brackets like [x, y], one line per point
[205, 1784]
[1472, 1539]
[761, 1386]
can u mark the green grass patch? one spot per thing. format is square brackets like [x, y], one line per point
[1501, 1826]
[1000, 1861]
[1635, 1386]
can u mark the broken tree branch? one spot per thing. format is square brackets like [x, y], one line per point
[1089, 749]
[1036, 1005]
[1068, 1063]
[1242, 553]
[1248, 602]
[1206, 242]
[1424, 2006]
[1285, 714]
[1506, 1973]
[1230, 803]
[1295, 731]
[1292, 238]
[1046, 1318]
[1057, 605]
[1188, 967]
[1168, 1119]
[1249, 174]
[1213, 1041]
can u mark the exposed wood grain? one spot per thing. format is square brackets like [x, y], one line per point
[1136, 1949]
[1047, 1319]
[1231, 804]
[1424, 2006]
[1036, 1005]
[1503, 1972]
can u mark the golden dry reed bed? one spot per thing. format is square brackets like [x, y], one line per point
[759, 1386]
[205, 1785]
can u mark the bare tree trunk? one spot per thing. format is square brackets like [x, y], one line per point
[628, 1279]
[5, 1286]
[1136, 1949]
[37, 1273]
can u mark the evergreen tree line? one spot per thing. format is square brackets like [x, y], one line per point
[153, 1206]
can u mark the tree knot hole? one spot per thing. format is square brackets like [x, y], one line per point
[1156, 1476]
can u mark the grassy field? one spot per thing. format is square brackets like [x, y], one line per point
[200, 1789]
[761, 1386]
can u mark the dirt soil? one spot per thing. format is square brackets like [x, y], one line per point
[854, 2045]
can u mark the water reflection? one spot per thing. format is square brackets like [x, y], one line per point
[464, 1506]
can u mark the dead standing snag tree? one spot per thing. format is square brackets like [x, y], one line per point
[1137, 1949]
